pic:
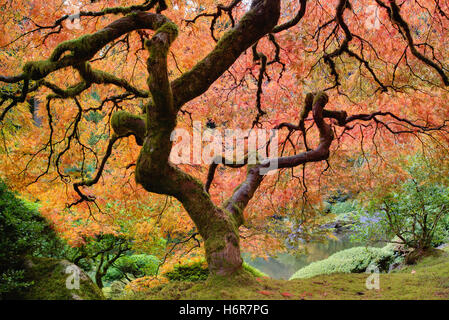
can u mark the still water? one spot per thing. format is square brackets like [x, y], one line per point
[285, 265]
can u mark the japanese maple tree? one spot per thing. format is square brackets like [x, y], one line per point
[342, 80]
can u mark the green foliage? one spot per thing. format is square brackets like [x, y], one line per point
[353, 260]
[339, 196]
[94, 116]
[23, 231]
[344, 207]
[191, 272]
[109, 258]
[254, 271]
[137, 265]
[416, 212]
[114, 291]
[11, 282]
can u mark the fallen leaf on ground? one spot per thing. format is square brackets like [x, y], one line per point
[265, 292]
[286, 294]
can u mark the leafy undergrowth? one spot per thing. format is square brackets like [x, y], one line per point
[428, 279]
[49, 281]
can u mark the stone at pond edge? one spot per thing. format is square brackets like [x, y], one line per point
[49, 281]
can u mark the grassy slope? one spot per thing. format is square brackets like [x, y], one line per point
[429, 279]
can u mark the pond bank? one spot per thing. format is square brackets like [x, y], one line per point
[285, 265]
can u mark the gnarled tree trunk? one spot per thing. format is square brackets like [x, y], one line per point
[218, 226]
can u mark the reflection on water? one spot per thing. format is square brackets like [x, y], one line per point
[285, 265]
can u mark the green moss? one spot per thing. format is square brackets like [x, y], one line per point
[309, 100]
[193, 80]
[84, 47]
[219, 234]
[131, 14]
[80, 49]
[123, 122]
[158, 51]
[71, 91]
[36, 70]
[254, 271]
[169, 28]
[49, 282]
[191, 272]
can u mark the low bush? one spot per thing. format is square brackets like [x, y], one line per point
[191, 272]
[353, 260]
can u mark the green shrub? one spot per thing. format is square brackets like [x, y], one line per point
[190, 272]
[254, 271]
[23, 231]
[416, 211]
[353, 260]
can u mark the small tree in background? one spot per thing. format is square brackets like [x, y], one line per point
[415, 213]
[110, 258]
[130, 267]
[101, 253]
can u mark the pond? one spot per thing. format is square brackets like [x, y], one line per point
[285, 265]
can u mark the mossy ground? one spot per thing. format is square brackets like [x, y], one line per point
[428, 279]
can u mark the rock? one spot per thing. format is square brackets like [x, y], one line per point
[55, 279]
[341, 224]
